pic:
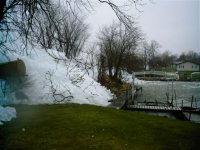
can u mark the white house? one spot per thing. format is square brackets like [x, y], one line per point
[187, 66]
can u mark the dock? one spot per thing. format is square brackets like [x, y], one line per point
[153, 108]
[127, 102]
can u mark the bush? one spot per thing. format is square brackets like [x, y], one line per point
[116, 86]
[195, 76]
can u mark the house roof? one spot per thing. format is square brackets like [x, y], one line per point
[186, 62]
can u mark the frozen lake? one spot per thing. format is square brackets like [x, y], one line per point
[156, 90]
[178, 91]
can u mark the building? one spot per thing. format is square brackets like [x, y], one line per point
[174, 65]
[187, 66]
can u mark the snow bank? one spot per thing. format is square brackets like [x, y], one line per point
[6, 114]
[68, 80]
[126, 77]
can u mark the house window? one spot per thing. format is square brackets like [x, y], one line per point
[192, 66]
[183, 66]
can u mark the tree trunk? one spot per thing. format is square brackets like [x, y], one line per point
[2, 6]
[117, 67]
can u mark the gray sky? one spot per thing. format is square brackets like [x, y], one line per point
[175, 24]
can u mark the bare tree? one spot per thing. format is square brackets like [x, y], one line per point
[154, 47]
[115, 42]
[149, 51]
[106, 44]
[72, 35]
[190, 56]
[120, 8]
[15, 13]
[146, 56]
[61, 30]
[132, 62]
[101, 69]
[24, 13]
[167, 59]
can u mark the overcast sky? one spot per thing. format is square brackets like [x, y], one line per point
[175, 24]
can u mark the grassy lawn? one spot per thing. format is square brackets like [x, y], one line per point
[184, 76]
[168, 70]
[83, 127]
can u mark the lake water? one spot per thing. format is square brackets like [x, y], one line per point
[178, 91]
[156, 90]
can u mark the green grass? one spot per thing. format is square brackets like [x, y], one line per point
[196, 76]
[184, 76]
[168, 70]
[83, 127]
